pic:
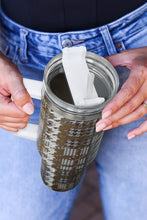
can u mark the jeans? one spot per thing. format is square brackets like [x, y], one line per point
[121, 164]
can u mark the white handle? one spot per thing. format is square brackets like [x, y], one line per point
[29, 132]
[34, 89]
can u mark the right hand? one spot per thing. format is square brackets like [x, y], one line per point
[13, 114]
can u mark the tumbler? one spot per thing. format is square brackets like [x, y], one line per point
[67, 140]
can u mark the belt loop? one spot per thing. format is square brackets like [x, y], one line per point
[108, 40]
[23, 45]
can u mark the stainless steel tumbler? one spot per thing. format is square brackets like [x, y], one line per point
[67, 140]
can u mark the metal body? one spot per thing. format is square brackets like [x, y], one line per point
[67, 140]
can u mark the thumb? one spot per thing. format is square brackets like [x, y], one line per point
[20, 95]
[121, 59]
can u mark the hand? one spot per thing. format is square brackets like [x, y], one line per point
[130, 103]
[13, 114]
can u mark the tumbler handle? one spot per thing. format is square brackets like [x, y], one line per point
[34, 89]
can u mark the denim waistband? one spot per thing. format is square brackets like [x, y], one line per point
[41, 40]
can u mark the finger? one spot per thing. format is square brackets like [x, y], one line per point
[8, 128]
[138, 131]
[128, 90]
[9, 108]
[136, 115]
[120, 59]
[129, 107]
[4, 92]
[124, 58]
[13, 120]
[20, 95]
[14, 125]
[105, 124]
[12, 81]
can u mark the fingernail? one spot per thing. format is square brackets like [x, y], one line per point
[131, 136]
[100, 127]
[28, 108]
[106, 114]
[107, 128]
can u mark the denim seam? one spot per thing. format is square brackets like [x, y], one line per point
[109, 44]
[23, 45]
[42, 52]
[129, 35]
[15, 56]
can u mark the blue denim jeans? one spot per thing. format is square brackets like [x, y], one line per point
[121, 164]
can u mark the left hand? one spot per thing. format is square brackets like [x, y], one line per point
[130, 103]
